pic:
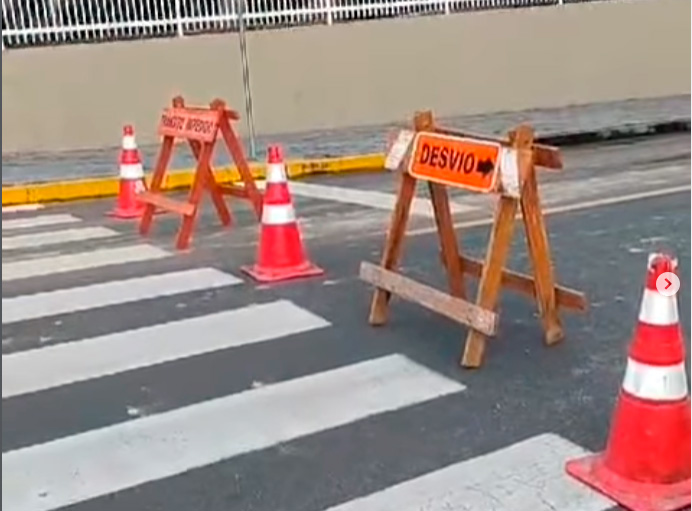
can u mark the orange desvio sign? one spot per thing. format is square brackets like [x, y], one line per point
[455, 161]
[189, 123]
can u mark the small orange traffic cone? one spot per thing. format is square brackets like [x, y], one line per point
[646, 464]
[280, 254]
[131, 178]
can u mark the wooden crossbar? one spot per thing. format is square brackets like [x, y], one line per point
[521, 283]
[454, 308]
[167, 204]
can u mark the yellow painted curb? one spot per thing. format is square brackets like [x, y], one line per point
[62, 191]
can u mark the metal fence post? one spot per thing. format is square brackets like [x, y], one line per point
[240, 9]
[330, 11]
[179, 18]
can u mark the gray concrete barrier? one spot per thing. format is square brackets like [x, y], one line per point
[330, 77]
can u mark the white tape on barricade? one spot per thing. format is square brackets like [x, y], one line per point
[509, 172]
[398, 150]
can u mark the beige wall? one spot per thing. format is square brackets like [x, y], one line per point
[355, 74]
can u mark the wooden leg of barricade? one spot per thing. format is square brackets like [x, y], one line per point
[537, 242]
[448, 240]
[156, 183]
[491, 277]
[379, 307]
[498, 247]
[238, 155]
[199, 183]
[213, 187]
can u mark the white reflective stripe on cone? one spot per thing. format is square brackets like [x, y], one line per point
[129, 142]
[281, 214]
[276, 173]
[655, 383]
[131, 171]
[657, 309]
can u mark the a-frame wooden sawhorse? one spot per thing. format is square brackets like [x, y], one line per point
[486, 165]
[201, 128]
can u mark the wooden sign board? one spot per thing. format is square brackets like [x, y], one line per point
[455, 161]
[189, 124]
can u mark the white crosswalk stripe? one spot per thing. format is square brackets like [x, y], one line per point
[34, 370]
[369, 198]
[64, 301]
[56, 237]
[22, 207]
[74, 466]
[38, 221]
[88, 260]
[526, 476]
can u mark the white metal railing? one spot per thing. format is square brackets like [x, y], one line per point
[27, 23]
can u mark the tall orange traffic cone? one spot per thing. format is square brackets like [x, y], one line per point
[646, 464]
[280, 254]
[131, 178]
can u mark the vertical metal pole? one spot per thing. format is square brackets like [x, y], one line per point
[179, 17]
[240, 9]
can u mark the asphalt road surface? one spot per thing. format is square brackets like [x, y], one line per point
[136, 377]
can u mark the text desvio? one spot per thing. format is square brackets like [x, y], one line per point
[448, 158]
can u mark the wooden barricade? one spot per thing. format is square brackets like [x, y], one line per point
[444, 157]
[201, 128]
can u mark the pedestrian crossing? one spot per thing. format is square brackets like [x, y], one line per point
[81, 459]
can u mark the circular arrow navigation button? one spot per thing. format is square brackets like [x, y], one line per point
[668, 283]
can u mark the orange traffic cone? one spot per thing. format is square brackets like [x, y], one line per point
[131, 178]
[646, 464]
[280, 254]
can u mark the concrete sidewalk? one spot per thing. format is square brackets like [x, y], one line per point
[564, 126]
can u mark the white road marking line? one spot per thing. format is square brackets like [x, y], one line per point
[609, 201]
[553, 193]
[107, 460]
[57, 237]
[80, 261]
[557, 192]
[22, 207]
[368, 198]
[62, 364]
[527, 476]
[38, 221]
[76, 299]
